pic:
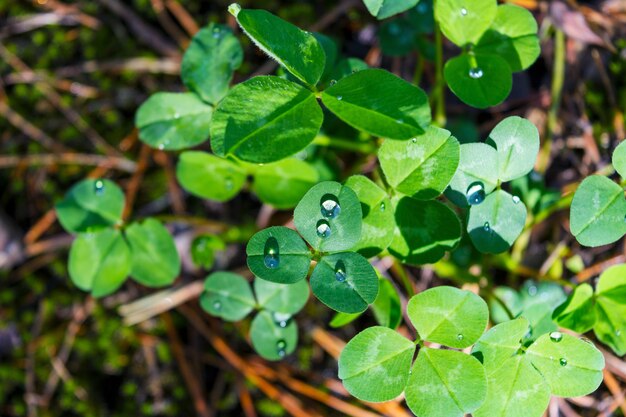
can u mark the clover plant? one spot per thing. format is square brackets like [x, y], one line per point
[424, 195]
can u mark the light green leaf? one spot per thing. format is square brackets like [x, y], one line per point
[423, 166]
[464, 21]
[425, 230]
[449, 316]
[619, 159]
[513, 36]
[265, 119]
[577, 312]
[382, 9]
[445, 383]
[208, 64]
[91, 204]
[271, 340]
[345, 282]
[517, 142]
[379, 103]
[278, 254]
[500, 343]
[283, 183]
[572, 367]
[99, 262]
[597, 212]
[510, 298]
[329, 217]
[538, 303]
[476, 176]
[342, 319]
[296, 50]
[515, 389]
[610, 327]
[173, 121]
[494, 225]
[209, 176]
[281, 298]
[374, 366]
[227, 295]
[387, 307]
[204, 248]
[155, 260]
[377, 228]
[480, 81]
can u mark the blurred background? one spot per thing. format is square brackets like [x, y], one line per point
[72, 75]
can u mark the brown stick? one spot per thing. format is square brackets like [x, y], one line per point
[109, 162]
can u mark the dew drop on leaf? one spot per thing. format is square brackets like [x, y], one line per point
[516, 199]
[563, 361]
[333, 82]
[329, 206]
[414, 140]
[532, 290]
[217, 305]
[556, 336]
[463, 11]
[323, 228]
[271, 253]
[339, 98]
[618, 332]
[476, 73]
[475, 194]
[228, 183]
[382, 207]
[281, 345]
[459, 337]
[281, 319]
[486, 227]
[98, 187]
[340, 271]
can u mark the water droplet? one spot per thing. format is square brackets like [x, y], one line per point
[475, 194]
[399, 121]
[563, 362]
[532, 290]
[459, 337]
[270, 253]
[556, 336]
[323, 228]
[339, 98]
[618, 332]
[476, 73]
[333, 82]
[281, 319]
[217, 305]
[98, 187]
[329, 206]
[486, 227]
[234, 9]
[340, 271]
[161, 146]
[382, 207]
[414, 140]
[516, 199]
[463, 11]
[281, 345]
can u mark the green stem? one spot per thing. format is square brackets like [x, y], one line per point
[438, 96]
[350, 145]
[399, 270]
[558, 76]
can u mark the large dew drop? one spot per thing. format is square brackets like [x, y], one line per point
[281, 319]
[270, 253]
[556, 336]
[281, 347]
[329, 206]
[475, 73]
[475, 194]
[463, 11]
[563, 362]
[98, 187]
[323, 228]
[340, 271]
